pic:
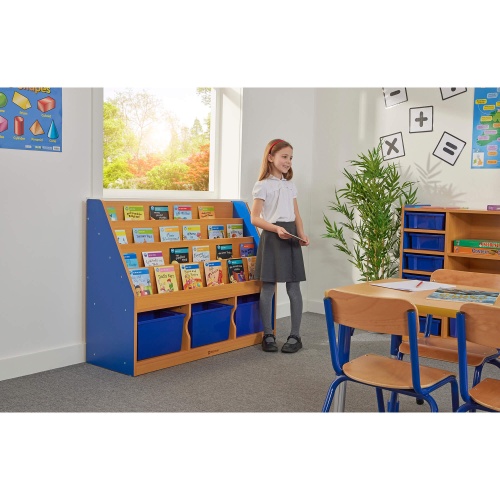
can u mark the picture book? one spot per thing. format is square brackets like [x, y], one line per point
[141, 280]
[121, 236]
[180, 254]
[143, 235]
[153, 258]
[247, 249]
[234, 230]
[183, 212]
[459, 295]
[201, 253]
[235, 270]
[191, 232]
[170, 233]
[158, 212]
[131, 260]
[251, 267]
[191, 276]
[215, 232]
[206, 212]
[166, 280]
[477, 243]
[224, 251]
[213, 272]
[133, 212]
[476, 250]
[112, 213]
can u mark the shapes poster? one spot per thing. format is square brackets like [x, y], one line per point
[31, 118]
[486, 128]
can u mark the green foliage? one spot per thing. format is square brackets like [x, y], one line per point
[116, 173]
[168, 176]
[370, 206]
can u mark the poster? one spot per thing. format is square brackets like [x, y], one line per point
[31, 118]
[486, 128]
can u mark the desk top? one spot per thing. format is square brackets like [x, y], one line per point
[444, 308]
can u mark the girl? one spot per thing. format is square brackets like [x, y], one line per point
[279, 255]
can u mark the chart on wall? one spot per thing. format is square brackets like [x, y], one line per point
[31, 118]
[486, 128]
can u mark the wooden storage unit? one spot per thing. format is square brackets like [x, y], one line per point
[442, 226]
[112, 307]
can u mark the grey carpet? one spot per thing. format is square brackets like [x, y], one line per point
[246, 380]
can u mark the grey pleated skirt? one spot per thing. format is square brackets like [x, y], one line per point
[278, 260]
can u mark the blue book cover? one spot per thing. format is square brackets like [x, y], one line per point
[215, 231]
[142, 281]
[247, 249]
[158, 212]
[143, 235]
[131, 260]
[183, 212]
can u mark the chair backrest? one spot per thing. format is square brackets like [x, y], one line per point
[467, 278]
[482, 324]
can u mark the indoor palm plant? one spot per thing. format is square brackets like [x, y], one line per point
[370, 205]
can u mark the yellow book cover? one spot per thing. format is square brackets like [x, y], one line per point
[133, 212]
[166, 281]
[213, 273]
[191, 276]
[251, 267]
[206, 212]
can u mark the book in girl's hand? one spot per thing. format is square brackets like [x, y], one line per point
[180, 254]
[158, 212]
[112, 213]
[215, 231]
[213, 273]
[191, 276]
[206, 212]
[170, 233]
[183, 212]
[235, 270]
[141, 280]
[133, 212]
[191, 232]
[153, 258]
[166, 280]
[121, 236]
[251, 267]
[143, 235]
[201, 253]
[247, 249]
[223, 251]
[234, 230]
[131, 260]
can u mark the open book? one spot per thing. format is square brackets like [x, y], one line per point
[413, 285]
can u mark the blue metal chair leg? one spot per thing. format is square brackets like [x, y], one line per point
[393, 403]
[331, 393]
[380, 400]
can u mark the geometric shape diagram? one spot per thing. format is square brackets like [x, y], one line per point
[46, 104]
[421, 119]
[4, 124]
[22, 101]
[449, 148]
[451, 92]
[394, 96]
[53, 134]
[36, 128]
[392, 146]
[18, 125]
[3, 100]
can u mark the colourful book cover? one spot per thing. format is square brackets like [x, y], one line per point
[477, 243]
[457, 295]
[201, 253]
[215, 232]
[141, 280]
[476, 250]
[213, 273]
[131, 260]
[191, 232]
[112, 213]
[170, 233]
[153, 258]
[121, 236]
[493, 207]
[158, 212]
[251, 267]
[143, 235]
[247, 249]
[191, 276]
[180, 254]
[166, 280]
[234, 230]
[235, 270]
[206, 212]
[133, 212]
[183, 212]
[224, 251]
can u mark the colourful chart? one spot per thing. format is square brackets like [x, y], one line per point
[31, 118]
[486, 128]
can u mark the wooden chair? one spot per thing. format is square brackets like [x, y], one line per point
[382, 315]
[478, 324]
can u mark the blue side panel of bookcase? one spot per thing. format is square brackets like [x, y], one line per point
[240, 211]
[109, 297]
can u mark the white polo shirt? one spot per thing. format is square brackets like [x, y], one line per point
[278, 195]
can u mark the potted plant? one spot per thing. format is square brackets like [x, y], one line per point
[371, 204]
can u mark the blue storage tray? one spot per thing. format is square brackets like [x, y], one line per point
[419, 241]
[247, 315]
[423, 262]
[420, 220]
[421, 277]
[158, 333]
[452, 332]
[435, 325]
[209, 323]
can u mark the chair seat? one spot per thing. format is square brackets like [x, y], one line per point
[446, 349]
[391, 373]
[487, 393]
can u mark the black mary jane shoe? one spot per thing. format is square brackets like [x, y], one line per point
[269, 346]
[292, 347]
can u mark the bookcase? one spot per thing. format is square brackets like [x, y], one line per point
[427, 236]
[134, 334]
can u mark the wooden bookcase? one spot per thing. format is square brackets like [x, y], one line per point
[430, 245]
[112, 307]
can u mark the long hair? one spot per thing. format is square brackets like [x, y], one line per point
[271, 149]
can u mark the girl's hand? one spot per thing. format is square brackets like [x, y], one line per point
[304, 237]
[282, 233]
